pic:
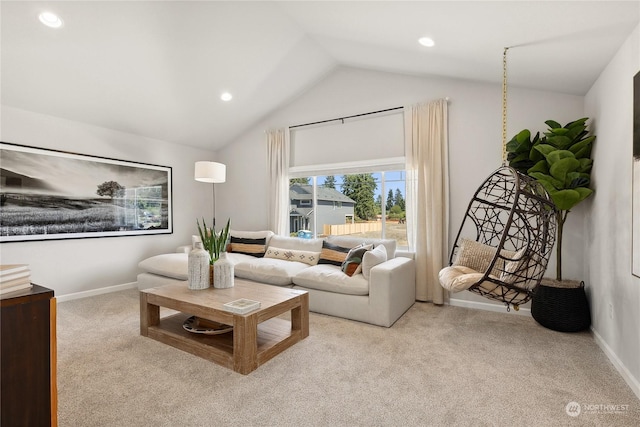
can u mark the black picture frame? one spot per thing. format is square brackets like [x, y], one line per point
[48, 194]
[635, 208]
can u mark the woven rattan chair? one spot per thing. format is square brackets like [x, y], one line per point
[505, 240]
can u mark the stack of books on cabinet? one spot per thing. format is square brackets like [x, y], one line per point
[14, 277]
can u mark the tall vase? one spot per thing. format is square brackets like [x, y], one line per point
[198, 266]
[223, 272]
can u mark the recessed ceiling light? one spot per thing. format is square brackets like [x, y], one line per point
[426, 41]
[226, 96]
[50, 19]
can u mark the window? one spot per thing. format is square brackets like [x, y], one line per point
[346, 169]
[366, 204]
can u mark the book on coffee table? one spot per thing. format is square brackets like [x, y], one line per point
[242, 306]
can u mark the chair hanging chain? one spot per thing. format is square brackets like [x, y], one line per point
[504, 107]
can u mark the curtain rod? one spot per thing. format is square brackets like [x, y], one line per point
[346, 117]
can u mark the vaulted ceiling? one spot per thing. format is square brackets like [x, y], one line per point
[158, 68]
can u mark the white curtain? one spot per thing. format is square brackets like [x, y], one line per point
[278, 180]
[427, 201]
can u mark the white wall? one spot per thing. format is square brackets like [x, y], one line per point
[608, 224]
[71, 266]
[475, 126]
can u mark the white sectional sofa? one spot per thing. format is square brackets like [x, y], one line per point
[379, 292]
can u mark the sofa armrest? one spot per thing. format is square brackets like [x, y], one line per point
[392, 287]
[184, 249]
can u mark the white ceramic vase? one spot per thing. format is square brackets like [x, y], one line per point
[223, 272]
[198, 266]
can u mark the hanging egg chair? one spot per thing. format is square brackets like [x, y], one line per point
[503, 246]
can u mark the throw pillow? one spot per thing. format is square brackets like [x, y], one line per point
[333, 254]
[306, 257]
[372, 258]
[478, 256]
[253, 247]
[353, 263]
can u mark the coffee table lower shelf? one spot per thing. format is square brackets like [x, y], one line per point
[274, 336]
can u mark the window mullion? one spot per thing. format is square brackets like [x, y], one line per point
[314, 182]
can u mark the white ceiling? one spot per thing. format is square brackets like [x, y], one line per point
[157, 68]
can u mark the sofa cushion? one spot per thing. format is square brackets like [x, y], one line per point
[268, 270]
[371, 258]
[171, 265]
[306, 257]
[333, 254]
[352, 241]
[330, 278]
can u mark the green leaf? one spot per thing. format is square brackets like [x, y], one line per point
[553, 124]
[585, 165]
[575, 123]
[549, 182]
[544, 149]
[542, 166]
[584, 192]
[523, 136]
[565, 199]
[524, 157]
[559, 131]
[557, 155]
[559, 141]
[577, 179]
[562, 167]
[582, 151]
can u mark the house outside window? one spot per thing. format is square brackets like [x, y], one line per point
[369, 205]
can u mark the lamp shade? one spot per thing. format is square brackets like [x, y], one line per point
[211, 172]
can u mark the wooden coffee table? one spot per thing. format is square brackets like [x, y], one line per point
[257, 336]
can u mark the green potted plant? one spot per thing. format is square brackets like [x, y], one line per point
[212, 241]
[561, 162]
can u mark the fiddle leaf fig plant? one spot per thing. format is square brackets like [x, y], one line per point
[561, 162]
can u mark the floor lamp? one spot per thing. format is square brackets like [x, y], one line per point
[213, 173]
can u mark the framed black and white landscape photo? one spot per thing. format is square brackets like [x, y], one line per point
[48, 194]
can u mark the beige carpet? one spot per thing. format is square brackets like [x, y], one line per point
[435, 366]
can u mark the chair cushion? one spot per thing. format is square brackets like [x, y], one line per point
[458, 278]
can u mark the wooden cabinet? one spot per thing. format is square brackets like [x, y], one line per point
[28, 389]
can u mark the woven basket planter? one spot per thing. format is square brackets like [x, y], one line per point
[561, 306]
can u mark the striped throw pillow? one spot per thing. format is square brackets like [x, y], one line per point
[253, 247]
[333, 254]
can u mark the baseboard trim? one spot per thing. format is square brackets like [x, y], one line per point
[524, 311]
[94, 292]
[617, 363]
